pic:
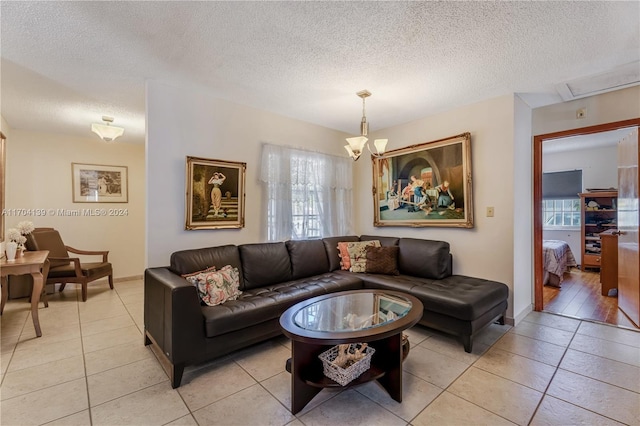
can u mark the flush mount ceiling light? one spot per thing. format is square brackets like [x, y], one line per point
[356, 144]
[106, 131]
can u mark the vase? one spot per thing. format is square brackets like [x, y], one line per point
[11, 248]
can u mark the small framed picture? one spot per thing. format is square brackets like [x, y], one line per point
[215, 194]
[97, 183]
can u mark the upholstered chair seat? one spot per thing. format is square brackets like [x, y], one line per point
[89, 270]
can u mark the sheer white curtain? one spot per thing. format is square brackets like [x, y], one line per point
[309, 194]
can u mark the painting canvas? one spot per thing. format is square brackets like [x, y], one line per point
[215, 194]
[425, 185]
[389, 307]
[95, 183]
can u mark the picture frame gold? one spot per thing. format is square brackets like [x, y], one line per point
[2, 183]
[428, 184]
[215, 195]
[99, 183]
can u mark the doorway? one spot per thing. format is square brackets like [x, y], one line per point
[539, 296]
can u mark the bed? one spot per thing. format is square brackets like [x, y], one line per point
[557, 259]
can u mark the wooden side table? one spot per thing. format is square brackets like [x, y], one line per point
[31, 262]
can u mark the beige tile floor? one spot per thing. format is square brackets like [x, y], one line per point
[90, 368]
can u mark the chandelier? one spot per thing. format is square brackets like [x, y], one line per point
[107, 132]
[356, 144]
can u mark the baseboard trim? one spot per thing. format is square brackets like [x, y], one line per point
[522, 314]
[131, 278]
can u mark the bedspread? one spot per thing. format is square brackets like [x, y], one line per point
[557, 258]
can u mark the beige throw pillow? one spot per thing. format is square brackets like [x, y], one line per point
[358, 254]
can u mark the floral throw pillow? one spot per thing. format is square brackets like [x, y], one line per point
[216, 287]
[358, 254]
[343, 252]
[194, 274]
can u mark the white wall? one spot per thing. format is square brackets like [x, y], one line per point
[487, 250]
[185, 122]
[606, 108]
[522, 211]
[39, 177]
[599, 165]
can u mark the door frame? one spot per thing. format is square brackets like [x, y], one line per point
[537, 193]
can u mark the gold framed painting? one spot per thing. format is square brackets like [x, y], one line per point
[2, 189]
[428, 184]
[97, 183]
[215, 194]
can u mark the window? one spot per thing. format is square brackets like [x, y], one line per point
[561, 213]
[308, 193]
[560, 200]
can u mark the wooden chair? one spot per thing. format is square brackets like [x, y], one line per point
[64, 269]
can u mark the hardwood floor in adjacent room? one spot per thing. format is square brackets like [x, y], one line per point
[579, 297]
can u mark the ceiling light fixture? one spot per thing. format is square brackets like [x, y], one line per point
[107, 132]
[356, 144]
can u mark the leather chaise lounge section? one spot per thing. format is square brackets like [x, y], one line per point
[275, 276]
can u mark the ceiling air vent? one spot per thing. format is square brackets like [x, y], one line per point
[625, 76]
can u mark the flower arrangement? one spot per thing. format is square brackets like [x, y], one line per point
[15, 236]
[18, 233]
[25, 227]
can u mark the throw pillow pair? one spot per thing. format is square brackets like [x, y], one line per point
[368, 256]
[216, 286]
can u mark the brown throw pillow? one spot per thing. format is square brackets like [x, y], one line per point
[382, 260]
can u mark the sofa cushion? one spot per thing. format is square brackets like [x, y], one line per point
[308, 257]
[264, 264]
[424, 258]
[263, 304]
[384, 241]
[382, 260]
[358, 254]
[216, 287]
[194, 260]
[457, 296]
[331, 246]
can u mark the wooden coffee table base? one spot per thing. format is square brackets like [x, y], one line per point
[308, 379]
[309, 338]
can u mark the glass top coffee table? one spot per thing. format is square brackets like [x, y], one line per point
[375, 317]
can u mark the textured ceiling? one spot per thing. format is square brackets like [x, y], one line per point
[65, 64]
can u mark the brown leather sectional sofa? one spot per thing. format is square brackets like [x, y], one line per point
[275, 276]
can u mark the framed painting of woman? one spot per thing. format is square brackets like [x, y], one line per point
[215, 194]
